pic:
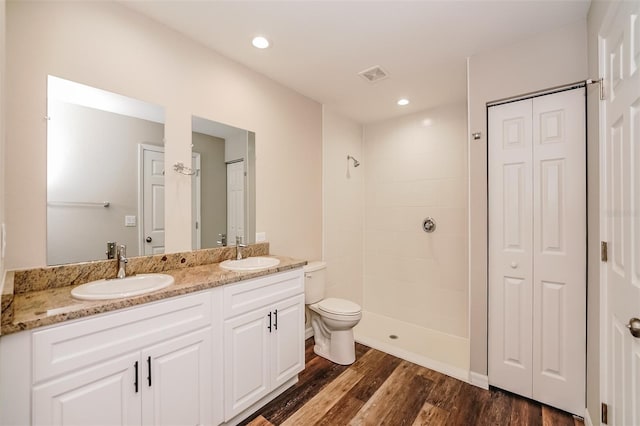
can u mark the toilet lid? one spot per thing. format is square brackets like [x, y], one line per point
[339, 306]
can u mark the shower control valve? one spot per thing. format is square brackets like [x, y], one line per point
[429, 225]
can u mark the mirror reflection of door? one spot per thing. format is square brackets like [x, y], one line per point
[227, 170]
[152, 203]
[235, 201]
[210, 185]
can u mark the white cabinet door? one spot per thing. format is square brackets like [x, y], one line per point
[246, 360]
[100, 395]
[177, 381]
[287, 340]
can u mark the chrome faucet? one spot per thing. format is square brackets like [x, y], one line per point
[122, 261]
[239, 246]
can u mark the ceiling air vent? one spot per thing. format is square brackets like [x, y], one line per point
[373, 74]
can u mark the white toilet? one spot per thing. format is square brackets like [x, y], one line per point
[332, 319]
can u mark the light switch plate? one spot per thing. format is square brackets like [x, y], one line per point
[129, 221]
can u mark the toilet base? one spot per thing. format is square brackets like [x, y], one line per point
[342, 348]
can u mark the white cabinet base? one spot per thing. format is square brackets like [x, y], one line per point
[262, 402]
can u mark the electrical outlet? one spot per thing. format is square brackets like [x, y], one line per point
[261, 236]
[129, 221]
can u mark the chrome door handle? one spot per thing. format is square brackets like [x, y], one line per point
[634, 327]
[149, 239]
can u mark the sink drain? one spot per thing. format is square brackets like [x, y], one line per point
[393, 336]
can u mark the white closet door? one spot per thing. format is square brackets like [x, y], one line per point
[559, 250]
[537, 248]
[510, 245]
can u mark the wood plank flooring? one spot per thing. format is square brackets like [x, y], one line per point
[380, 389]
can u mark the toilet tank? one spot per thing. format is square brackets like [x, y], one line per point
[314, 281]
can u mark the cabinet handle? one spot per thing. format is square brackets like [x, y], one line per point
[269, 326]
[135, 383]
[149, 367]
[275, 322]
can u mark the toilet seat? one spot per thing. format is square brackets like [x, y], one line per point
[337, 306]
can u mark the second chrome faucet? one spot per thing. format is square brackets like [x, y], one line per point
[239, 247]
[122, 261]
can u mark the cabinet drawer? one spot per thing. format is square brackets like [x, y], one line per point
[247, 296]
[82, 343]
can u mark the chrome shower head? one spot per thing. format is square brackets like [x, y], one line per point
[356, 163]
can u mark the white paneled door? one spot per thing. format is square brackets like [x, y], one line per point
[235, 201]
[152, 214]
[620, 195]
[537, 248]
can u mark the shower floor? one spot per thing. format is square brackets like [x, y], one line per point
[429, 348]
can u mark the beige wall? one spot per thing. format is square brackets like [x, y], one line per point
[416, 166]
[343, 206]
[2, 128]
[106, 45]
[551, 59]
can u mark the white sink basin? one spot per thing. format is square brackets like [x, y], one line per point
[134, 285]
[250, 264]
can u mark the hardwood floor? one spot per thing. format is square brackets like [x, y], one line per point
[380, 389]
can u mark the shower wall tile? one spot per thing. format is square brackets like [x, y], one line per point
[452, 192]
[414, 171]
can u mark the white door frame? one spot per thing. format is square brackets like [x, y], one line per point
[196, 196]
[605, 336]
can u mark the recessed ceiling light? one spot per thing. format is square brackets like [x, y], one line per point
[403, 102]
[260, 42]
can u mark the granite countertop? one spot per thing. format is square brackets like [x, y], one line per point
[54, 305]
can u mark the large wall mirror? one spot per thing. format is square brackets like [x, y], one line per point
[106, 171]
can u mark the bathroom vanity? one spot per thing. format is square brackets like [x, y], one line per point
[208, 356]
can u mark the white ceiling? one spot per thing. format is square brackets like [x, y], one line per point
[318, 47]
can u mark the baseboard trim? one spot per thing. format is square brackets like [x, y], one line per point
[479, 380]
[441, 367]
[587, 418]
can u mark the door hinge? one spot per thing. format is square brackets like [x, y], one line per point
[604, 415]
[604, 252]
